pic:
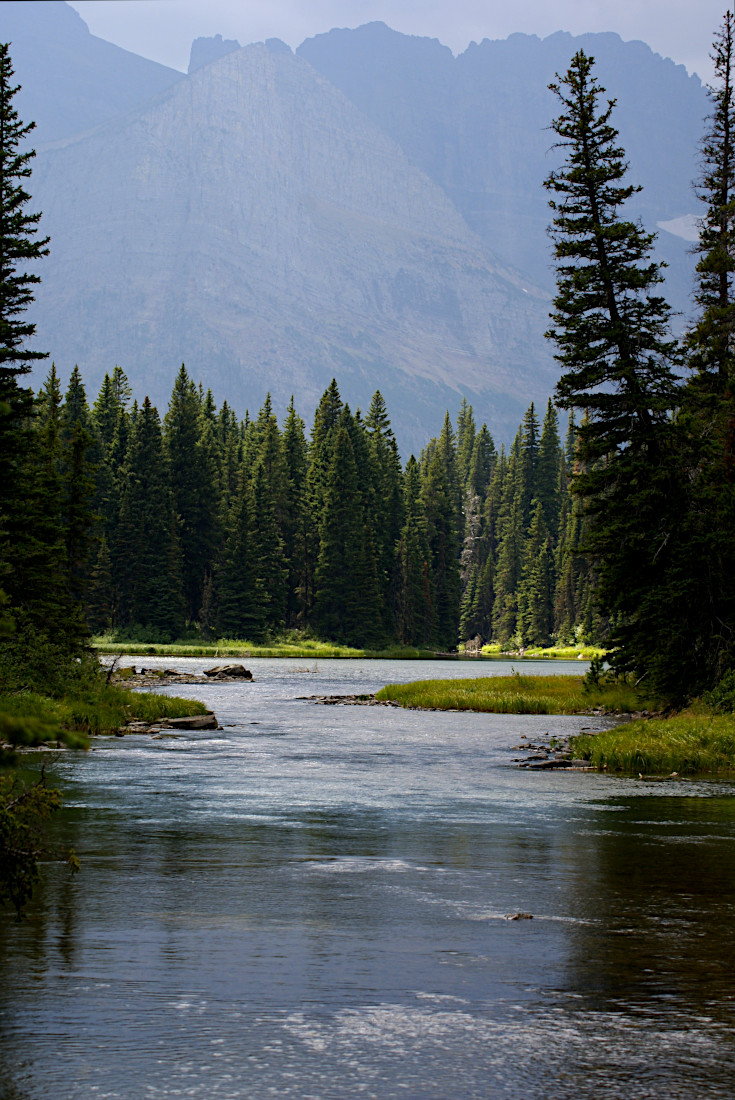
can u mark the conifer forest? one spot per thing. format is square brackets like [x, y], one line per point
[244, 528]
[612, 525]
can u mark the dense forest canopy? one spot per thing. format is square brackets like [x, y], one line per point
[234, 528]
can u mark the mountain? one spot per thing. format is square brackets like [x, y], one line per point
[478, 125]
[371, 208]
[71, 80]
[251, 222]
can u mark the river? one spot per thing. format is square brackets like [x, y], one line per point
[313, 901]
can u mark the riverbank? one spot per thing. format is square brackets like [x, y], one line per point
[697, 741]
[298, 647]
[90, 708]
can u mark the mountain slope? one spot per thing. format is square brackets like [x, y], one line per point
[254, 224]
[71, 80]
[478, 125]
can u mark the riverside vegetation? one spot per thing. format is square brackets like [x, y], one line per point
[114, 520]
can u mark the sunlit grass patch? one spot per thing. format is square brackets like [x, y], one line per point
[516, 694]
[696, 741]
[552, 653]
[309, 648]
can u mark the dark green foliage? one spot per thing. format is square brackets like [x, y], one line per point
[611, 332]
[411, 597]
[536, 585]
[295, 521]
[24, 810]
[438, 497]
[194, 487]
[347, 605]
[238, 615]
[146, 558]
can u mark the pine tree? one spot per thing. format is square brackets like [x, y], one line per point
[385, 497]
[20, 248]
[147, 556]
[549, 474]
[536, 584]
[194, 487]
[438, 496]
[339, 611]
[239, 608]
[611, 331]
[295, 529]
[411, 599]
[511, 533]
[466, 434]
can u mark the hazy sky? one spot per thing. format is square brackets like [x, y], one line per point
[164, 29]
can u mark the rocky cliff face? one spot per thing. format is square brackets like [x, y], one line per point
[478, 125]
[254, 224]
[371, 209]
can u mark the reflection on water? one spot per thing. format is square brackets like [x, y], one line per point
[311, 902]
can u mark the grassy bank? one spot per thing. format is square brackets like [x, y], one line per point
[552, 653]
[72, 717]
[693, 742]
[516, 694]
[309, 648]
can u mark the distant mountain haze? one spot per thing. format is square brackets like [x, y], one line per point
[478, 125]
[254, 224]
[70, 80]
[371, 208]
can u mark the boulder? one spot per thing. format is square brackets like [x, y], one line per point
[195, 722]
[228, 672]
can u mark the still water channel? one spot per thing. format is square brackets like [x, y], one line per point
[312, 901]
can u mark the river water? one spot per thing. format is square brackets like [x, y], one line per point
[312, 902]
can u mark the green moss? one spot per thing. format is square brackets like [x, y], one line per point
[516, 694]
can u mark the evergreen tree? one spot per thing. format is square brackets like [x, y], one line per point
[482, 463]
[295, 526]
[528, 463]
[712, 341]
[536, 584]
[81, 457]
[347, 605]
[412, 603]
[549, 474]
[466, 434]
[269, 571]
[439, 504]
[147, 556]
[239, 607]
[20, 248]
[194, 488]
[611, 331]
[385, 499]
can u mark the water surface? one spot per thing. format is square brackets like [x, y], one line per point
[312, 902]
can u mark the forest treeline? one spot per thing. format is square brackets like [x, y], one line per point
[200, 521]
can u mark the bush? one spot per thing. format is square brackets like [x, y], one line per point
[722, 697]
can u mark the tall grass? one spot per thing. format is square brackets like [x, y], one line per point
[102, 708]
[516, 694]
[550, 653]
[694, 742]
[309, 648]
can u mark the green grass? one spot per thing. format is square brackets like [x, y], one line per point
[516, 694]
[102, 708]
[309, 648]
[694, 742]
[551, 653]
